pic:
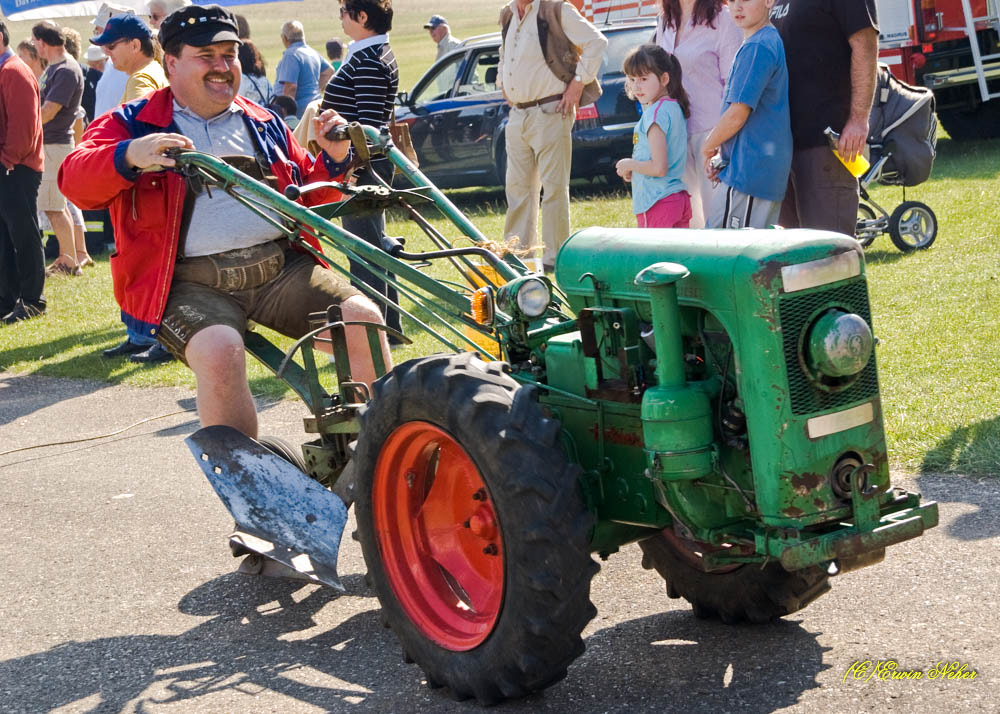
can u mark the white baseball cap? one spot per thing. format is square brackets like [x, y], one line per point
[108, 11]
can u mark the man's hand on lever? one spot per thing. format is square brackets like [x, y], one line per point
[147, 152]
[323, 123]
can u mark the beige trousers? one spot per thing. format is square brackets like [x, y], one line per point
[696, 180]
[539, 153]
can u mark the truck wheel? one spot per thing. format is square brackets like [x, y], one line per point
[913, 226]
[983, 122]
[745, 593]
[473, 527]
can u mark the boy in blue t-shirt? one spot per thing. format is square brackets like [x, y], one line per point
[753, 137]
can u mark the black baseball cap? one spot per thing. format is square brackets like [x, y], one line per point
[199, 25]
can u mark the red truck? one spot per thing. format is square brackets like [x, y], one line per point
[951, 46]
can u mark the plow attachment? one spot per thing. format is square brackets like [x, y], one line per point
[280, 513]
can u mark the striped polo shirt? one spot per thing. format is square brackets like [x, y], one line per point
[364, 88]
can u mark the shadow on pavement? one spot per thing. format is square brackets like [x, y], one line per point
[684, 664]
[984, 494]
[257, 639]
[241, 647]
[21, 395]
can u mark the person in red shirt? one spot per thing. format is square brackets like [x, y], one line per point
[22, 263]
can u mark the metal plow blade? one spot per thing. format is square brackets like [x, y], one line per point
[289, 517]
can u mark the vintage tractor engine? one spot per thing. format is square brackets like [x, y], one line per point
[722, 386]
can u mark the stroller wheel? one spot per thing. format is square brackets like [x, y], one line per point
[913, 226]
[866, 232]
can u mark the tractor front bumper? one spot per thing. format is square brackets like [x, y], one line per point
[849, 543]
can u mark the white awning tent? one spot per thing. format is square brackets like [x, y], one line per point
[16, 10]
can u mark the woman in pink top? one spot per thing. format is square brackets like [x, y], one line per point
[703, 36]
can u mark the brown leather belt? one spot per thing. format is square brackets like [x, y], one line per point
[543, 100]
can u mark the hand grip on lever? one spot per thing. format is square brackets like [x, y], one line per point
[337, 133]
[356, 133]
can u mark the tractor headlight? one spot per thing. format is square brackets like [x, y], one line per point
[525, 296]
[839, 344]
[533, 297]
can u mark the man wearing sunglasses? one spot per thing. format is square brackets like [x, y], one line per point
[128, 41]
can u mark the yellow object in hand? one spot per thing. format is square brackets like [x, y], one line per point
[858, 167]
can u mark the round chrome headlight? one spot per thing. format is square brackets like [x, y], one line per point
[533, 297]
[840, 344]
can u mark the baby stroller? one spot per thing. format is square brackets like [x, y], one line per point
[902, 142]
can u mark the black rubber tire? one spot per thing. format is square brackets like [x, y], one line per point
[286, 450]
[744, 594]
[545, 526]
[904, 239]
[865, 213]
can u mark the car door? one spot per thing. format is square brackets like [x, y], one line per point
[478, 107]
[429, 112]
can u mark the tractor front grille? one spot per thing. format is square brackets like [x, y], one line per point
[795, 311]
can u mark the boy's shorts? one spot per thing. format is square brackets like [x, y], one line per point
[731, 208]
[279, 293]
[673, 211]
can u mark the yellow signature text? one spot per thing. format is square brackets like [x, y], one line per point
[884, 670]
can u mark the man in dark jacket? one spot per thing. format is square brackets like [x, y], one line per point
[197, 292]
[22, 264]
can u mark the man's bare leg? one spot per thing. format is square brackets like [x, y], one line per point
[217, 358]
[63, 229]
[80, 245]
[362, 309]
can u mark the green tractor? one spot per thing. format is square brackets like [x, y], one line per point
[710, 395]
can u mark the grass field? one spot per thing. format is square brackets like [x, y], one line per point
[935, 311]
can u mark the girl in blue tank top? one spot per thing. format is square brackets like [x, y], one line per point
[656, 169]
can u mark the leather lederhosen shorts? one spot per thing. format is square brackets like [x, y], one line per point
[271, 284]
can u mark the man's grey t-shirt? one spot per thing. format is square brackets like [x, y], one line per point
[62, 83]
[220, 222]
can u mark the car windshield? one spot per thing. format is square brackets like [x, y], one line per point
[619, 44]
[439, 84]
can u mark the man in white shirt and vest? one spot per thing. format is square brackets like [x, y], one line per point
[544, 86]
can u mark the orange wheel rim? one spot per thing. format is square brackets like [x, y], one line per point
[438, 535]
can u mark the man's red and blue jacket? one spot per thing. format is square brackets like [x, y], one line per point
[146, 208]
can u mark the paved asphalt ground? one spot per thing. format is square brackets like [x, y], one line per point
[118, 594]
